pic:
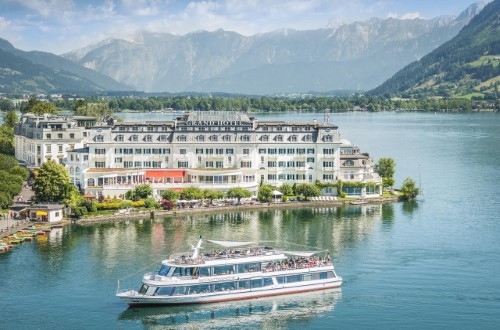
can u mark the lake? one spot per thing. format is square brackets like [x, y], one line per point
[428, 264]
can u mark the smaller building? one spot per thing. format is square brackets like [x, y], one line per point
[47, 212]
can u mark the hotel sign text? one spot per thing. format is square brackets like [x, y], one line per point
[213, 123]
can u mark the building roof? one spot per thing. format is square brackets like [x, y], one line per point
[47, 207]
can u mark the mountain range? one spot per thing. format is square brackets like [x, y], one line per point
[467, 65]
[355, 56]
[42, 72]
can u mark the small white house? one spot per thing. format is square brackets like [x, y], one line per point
[47, 212]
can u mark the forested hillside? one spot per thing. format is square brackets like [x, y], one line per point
[467, 65]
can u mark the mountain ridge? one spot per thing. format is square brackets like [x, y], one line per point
[225, 61]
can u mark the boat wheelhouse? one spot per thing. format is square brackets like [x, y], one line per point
[236, 273]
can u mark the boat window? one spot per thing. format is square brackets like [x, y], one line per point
[176, 272]
[268, 281]
[203, 288]
[164, 291]
[316, 276]
[223, 270]
[244, 284]
[180, 290]
[164, 270]
[224, 286]
[323, 275]
[249, 268]
[280, 279]
[307, 277]
[143, 289]
[204, 271]
[186, 271]
[294, 278]
[331, 274]
[257, 283]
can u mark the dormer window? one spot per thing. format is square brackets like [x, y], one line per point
[200, 138]
[214, 138]
[182, 138]
[328, 138]
[279, 138]
[293, 138]
[134, 138]
[119, 138]
[264, 138]
[99, 138]
[148, 138]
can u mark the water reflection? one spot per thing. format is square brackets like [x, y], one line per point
[270, 313]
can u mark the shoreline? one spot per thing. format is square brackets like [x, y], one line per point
[223, 209]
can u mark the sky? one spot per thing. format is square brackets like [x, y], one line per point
[59, 26]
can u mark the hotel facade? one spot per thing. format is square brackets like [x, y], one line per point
[209, 150]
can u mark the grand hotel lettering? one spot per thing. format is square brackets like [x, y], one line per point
[213, 123]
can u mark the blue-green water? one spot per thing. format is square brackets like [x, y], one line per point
[430, 264]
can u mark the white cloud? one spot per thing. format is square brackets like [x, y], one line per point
[4, 23]
[409, 15]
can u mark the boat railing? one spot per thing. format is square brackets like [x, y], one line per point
[185, 258]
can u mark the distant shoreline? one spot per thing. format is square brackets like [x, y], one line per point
[224, 209]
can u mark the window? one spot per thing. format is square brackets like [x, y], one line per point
[49, 136]
[262, 151]
[271, 176]
[71, 135]
[328, 138]
[271, 164]
[282, 151]
[264, 138]
[100, 151]
[219, 151]
[246, 152]
[214, 138]
[147, 151]
[147, 163]
[60, 148]
[328, 164]
[301, 151]
[293, 138]
[134, 138]
[226, 138]
[281, 164]
[328, 177]
[148, 138]
[182, 151]
[246, 164]
[182, 138]
[182, 164]
[137, 164]
[328, 151]
[209, 151]
[290, 151]
[278, 138]
[310, 159]
[245, 138]
[199, 151]
[271, 151]
[200, 138]
[162, 138]
[91, 182]
[49, 148]
[349, 162]
[310, 151]
[138, 151]
[119, 138]
[307, 138]
[99, 138]
[209, 164]
[100, 164]
[229, 151]
[219, 164]
[118, 160]
[158, 164]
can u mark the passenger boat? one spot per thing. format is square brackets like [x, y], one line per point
[236, 273]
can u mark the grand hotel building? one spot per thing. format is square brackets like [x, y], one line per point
[214, 150]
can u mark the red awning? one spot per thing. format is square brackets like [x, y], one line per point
[165, 174]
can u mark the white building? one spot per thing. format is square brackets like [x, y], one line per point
[38, 139]
[209, 150]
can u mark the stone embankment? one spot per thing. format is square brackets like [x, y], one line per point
[244, 207]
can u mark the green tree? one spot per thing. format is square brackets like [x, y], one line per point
[32, 101]
[286, 189]
[10, 119]
[308, 190]
[44, 107]
[238, 192]
[99, 110]
[191, 193]
[150, 202]
[170, 195]
[6, 105]
[6, 140]
[409, 189]
[52, 184]
[212, 194]
[265, 194]
[386, 168]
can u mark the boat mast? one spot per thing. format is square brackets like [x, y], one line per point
[196, 249]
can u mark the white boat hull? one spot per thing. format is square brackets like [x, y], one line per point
[133, 298]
